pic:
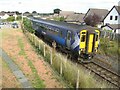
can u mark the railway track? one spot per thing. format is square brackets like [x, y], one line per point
[103, 72]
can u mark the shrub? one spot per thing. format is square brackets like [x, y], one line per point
[11, 19]
[19, 18]
[28, 25]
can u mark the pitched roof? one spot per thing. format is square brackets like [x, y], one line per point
[2, 14]
[100, 12]
[66, 13]
[117, 8]
[75, 17]
[113, 26]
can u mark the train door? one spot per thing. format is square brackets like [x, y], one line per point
[83, 40]
[90, 43]
[97, 38]
[68, 39]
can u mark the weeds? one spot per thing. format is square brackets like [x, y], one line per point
[109, 48]
[69, 70]
[37, 82]
[21, 45]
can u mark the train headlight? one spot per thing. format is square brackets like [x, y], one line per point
[82, 49]
[95, 49]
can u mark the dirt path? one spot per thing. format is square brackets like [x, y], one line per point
[17, 72]
[7, 78]
[20, 50]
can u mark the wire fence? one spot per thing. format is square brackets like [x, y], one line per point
[110, 35]
[74, 76]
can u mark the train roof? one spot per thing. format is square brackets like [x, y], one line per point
[69, 26]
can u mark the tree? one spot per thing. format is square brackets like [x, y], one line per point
[17, 12]
[27, 12]
[34, 12]
[57, 11]
[28, 25]
[92, 20]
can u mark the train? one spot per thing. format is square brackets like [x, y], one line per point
[80, 41]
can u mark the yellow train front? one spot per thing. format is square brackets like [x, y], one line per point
[89, 43]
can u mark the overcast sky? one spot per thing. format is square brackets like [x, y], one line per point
[47, 6]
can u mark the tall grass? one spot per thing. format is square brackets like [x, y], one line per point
[109, 48]
[69, 69]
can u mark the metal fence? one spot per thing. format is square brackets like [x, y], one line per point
[110, 35]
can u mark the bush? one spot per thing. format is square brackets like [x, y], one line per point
[108, 47]
[28, 25]
[19, 18]
[59, 19]
[11, 19]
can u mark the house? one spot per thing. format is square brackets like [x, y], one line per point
[5, 15]
[112, 20]
[65, 14]
[113, 16]
[75, 18]
[112, 27]
[101, 13]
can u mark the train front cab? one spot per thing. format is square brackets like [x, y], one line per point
[97, 40]
[88, 43]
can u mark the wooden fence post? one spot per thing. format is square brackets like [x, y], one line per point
[61, 68]
[65, 62]
[51, 57]
[39, 44]
[77, 83]
[32, 38]
[76, 64]
[44, 50]
[35, 40]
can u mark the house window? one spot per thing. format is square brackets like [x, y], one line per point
[111, 17]
[116, 17]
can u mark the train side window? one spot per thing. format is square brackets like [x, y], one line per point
[96, 37]
[68, 35]
[73, 36]
[83, 38]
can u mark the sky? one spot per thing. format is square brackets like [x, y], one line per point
[47, 6]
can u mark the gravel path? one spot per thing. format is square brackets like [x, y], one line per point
[16, 71]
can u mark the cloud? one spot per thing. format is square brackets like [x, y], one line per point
[49, 5]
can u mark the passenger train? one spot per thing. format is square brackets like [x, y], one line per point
[78, 40]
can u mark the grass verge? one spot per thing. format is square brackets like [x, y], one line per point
[37, 82]
[69, 70]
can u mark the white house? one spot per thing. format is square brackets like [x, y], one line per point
[112, 27]
[3, 16]
[113, 16]
[112, 20]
